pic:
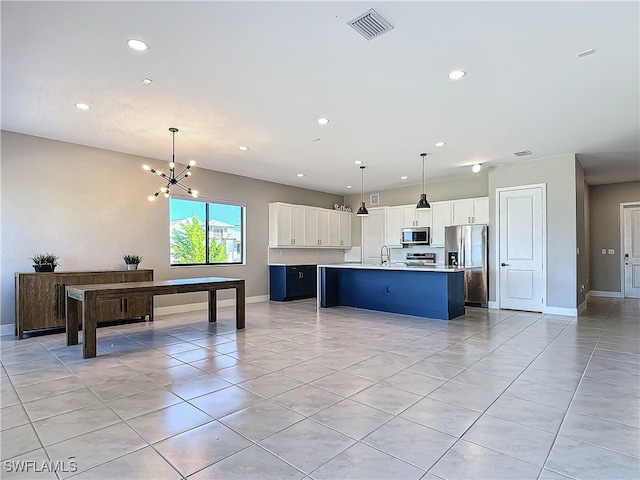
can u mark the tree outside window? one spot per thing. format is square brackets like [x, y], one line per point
[205, 233]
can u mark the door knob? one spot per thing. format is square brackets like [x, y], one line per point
[504, 264]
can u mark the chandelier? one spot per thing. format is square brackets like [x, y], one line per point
[173, 178]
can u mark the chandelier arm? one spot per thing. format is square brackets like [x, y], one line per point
[186, 189]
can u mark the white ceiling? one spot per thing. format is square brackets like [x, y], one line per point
[261, 73]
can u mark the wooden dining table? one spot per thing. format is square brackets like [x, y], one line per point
[84, 302]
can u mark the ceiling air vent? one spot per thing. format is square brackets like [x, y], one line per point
[370, 24]
[523, 153]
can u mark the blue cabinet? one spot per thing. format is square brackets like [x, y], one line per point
[292, 282]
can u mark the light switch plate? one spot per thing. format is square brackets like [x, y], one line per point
[612, 251]
[604, 251]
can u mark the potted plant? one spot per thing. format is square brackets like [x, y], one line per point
[44, 262]
[132, 261]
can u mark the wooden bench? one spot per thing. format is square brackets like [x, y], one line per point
[83, 302]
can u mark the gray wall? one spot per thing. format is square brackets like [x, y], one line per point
[89, 206]
[582, 255]
[559, 175]
[604, 217]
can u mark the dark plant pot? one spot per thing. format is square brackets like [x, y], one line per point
[44, 268]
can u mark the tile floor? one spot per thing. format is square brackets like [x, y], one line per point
[344, 394]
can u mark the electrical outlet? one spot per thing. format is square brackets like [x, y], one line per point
[612, 251]
[604, 251]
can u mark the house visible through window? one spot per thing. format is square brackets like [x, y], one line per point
[205, 233]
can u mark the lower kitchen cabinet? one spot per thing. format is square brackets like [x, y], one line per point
[41, 297]
[292, 282]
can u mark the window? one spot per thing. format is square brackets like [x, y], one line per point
[205, 233]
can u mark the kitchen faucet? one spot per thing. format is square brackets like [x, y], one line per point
[382, 260]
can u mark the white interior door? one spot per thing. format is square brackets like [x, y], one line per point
[631, 219]
[521, 249]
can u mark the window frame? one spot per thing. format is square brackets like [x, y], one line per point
[207, 202]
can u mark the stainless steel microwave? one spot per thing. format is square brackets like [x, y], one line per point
[416, 236]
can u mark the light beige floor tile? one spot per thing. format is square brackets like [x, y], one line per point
[261, 420]
[343, 384]
[362, 461]
[143, 402]
[62, 403]
[253, 463]
[197, 386]
[34, 465]
[13, 416]
[166, 422]
[387, 399]
[413, 443]
[47, 389]
[200, 447]
[143, 464]
[469, 461]
[444, 417]
[96, 448]
[307, 399]
[18, 440]
[225, 401]
[352, 418]
[68, 425]
[307, 444]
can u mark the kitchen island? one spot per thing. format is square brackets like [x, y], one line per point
[424, 291]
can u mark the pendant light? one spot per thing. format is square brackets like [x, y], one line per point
[362, 211]
[173, 178]
[423, 203]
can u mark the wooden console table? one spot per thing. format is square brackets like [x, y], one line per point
[83, 301]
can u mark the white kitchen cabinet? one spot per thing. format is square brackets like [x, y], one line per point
[333, 221]
[345, 229]
[306, 226]
[311, 226]
[404, 216]
[373, 235]
[440, 217]
[286, 225]
[470, 210]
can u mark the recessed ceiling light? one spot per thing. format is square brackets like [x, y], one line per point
[440, 144]
[301, 174]
[138, 45]
[586, 52]
[243, 148]
[476, 168]
[349, 186]
[457, 75]
[404, 177]
[83, 106]
[358, 162]
[323, 121]
[147, 81]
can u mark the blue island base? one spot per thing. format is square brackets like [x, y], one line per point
[433, 294]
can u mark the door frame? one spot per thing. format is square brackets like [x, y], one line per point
[496, 260]
[623, 290]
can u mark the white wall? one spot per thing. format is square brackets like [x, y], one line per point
[89, 206]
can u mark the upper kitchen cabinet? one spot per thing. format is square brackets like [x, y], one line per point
[304, 226]
[441, 217]
[345, 229]
[286, 225]
[470, 210]
[403, 216]
[373, 235]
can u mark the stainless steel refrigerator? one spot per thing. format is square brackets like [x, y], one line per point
[466, 246]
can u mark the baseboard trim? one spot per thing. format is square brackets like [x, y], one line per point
[190, 307]
[583, 306]
[493, 305]
[7, 329]
[588, 295]
[569, 312]
[603, 293]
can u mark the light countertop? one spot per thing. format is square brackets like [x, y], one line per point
[396, 266]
